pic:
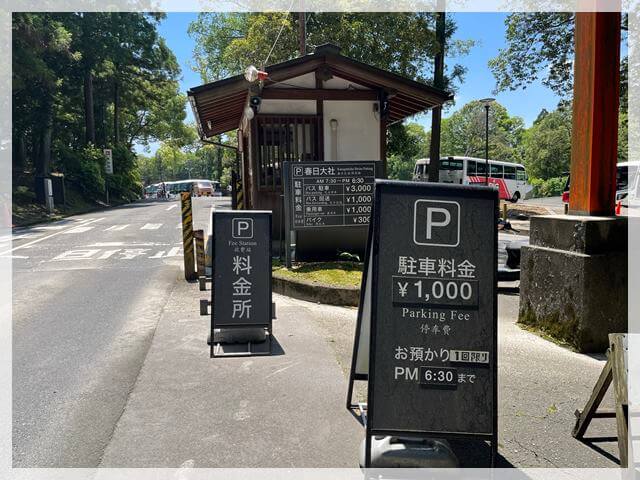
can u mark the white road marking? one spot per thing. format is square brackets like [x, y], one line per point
[50, 227]
[107, 254]
[151, 226]
[27, 235]
[115, 228]
[80, 229]
[171, 207]
[158, 255]
[174, 252]
[13, 256]
[76, 255]
[106, 244]
[44, 238]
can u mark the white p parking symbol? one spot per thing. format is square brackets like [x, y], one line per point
[436, 223]
[431, 222]
[242, 228]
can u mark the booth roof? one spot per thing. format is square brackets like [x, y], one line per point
[218, 106]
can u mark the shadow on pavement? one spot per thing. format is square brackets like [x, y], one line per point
[592, 444]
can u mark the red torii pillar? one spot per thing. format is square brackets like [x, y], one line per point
[574, 272]
[596, 98]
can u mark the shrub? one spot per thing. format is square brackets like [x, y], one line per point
[548, 188]
[84, 168]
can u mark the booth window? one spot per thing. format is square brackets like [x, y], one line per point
[284, 138]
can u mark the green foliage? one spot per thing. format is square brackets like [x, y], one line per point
[547, 145]
[183, 158]
[548, 188]
[463, 133]
[405, 143]
[540, 46]
[623, 137]
[84, 168]
[87, 81]
[226, 43]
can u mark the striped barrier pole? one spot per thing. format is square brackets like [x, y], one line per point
[199, 236]
[239, 194]
[187, 236]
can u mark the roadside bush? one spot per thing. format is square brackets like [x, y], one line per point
[84, 168]
[548, 188]
[125, 183]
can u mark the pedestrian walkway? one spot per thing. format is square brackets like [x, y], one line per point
[286, 410]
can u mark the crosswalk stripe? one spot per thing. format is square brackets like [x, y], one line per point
[171, 207]
[50, 227]
[151, 226]
[114, 228]
[81, 229]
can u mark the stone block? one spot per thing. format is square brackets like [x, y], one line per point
[574, 279]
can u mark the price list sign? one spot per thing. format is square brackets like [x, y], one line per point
[331, 194]
[433, 341]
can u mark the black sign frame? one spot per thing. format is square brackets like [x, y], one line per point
[267, 323]
[290, 228]
[439, 190]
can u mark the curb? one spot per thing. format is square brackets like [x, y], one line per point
[316, 292]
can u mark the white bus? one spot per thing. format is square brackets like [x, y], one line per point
[510, 178]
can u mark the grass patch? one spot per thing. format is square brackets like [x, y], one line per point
[335, 274]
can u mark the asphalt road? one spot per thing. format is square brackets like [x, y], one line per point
[87, 294]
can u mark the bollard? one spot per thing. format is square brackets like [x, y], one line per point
[200, 258]
[504, 211]
[187, 236]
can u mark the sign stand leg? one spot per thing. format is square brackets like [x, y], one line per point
[367, 449]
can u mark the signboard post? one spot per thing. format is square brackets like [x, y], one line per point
[431, 319]
[108, 168]
[322, 195]
[242, 311]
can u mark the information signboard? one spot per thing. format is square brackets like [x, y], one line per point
[108, 160]
[433, 321]
[241, 294]
[330, 194]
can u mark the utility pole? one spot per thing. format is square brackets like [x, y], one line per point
[436, 112]
[302, 31]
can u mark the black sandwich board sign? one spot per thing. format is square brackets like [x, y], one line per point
[427, 322]
[328, 196]
[241, 293]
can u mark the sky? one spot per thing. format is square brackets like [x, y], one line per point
[487, 29]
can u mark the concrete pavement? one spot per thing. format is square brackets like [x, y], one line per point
[111, 366]
[87, 294]
[286, 410]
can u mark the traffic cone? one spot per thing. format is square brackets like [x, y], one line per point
[618, 207]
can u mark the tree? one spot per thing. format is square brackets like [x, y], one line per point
[41, 48]
[88, 80]
[226, 43]
[404, 145]
[540, 46]
[547, 145]
[463, 133]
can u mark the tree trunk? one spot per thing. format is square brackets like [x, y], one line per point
[42, 156]
[219, 164]
[436, 113]
[19, 154]
[89, 119]
[101, 134]
[116, 111]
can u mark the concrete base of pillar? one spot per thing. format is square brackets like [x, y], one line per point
[573, 281]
